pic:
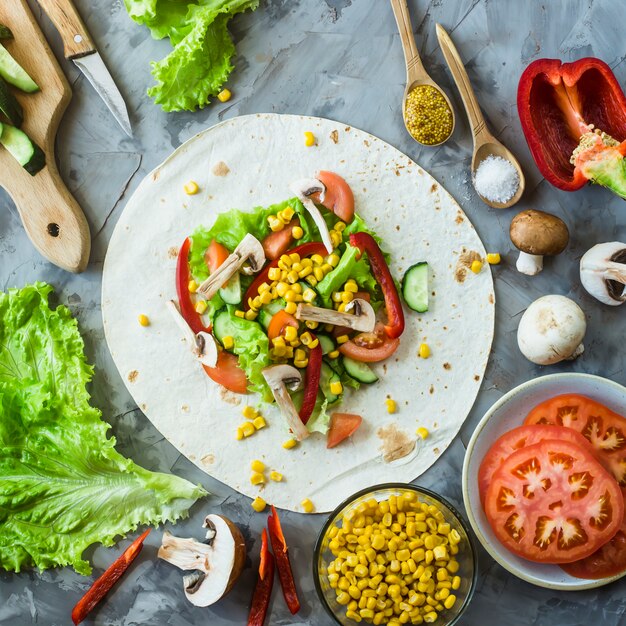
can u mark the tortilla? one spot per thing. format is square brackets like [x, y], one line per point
[249, 161]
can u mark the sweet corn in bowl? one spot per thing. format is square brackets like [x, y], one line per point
[395, 554]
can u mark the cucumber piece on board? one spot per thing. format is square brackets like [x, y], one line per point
[14, 73]
[9, 106]
[20, 145]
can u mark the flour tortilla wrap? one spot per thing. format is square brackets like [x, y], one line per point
[250, 161]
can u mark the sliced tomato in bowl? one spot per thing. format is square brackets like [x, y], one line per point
[370, 347]
[516, 439]
[553, 502]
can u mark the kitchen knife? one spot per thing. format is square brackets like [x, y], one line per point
[79, 48]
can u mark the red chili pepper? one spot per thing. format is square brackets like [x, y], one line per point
[285, 575]
[311, 383]
[306, 249]
[395, 322]
[187, 310]
[100, 588]
[557, 103]
[263, 589]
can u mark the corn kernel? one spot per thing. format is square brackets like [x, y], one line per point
[347, 297]
[351, 287]
[294, 257]
[259, 422]
[314, 344]
[335, 296]
[392, 405]
[277, 477]
[476, 266]
[191, 188]
[422, 432]
[274, 274]
[310, 324]
[297, 232]
[201, 307]
[309, 139]
[228, 342]
[266, 297]
[258, 504]
[239, 434]
[239, 314]
[143, 320]
[251, 315]
[224, 95]
[449, 601]
[340, 226]
[336, 387]
[333, 354]
[256, 478]
[494, 258]
[307, 505]
[333, 259]
[342, 339]
[289, 444]
[300, 363]
[247, 429]
[257, 466]
[192, 286]
[306, 339]
[292, 277]
[291, 307]
[424, 351]
[290, 333]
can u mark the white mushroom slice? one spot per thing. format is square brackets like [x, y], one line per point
[202, 345]
[303, 189]
[216, 563]
[280, 378]
[363, 319]
[603, 272]
[250, 250]
[551, 330]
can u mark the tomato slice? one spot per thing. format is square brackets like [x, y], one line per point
[342, 426]
[370, 347]
[279, 322]
[519, 438]
[552, 502]
[276, 243]
[603, 428]
[215, 255]
[338, 197]
[228, 373]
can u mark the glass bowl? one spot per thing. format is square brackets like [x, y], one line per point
[466, 556]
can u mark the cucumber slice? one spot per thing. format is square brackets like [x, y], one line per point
[19, 144]
[328, 376]
[359, 371]
[415, 287]
[14, 73]
[268, 311]
[9, 106]
[5, 32]
[223, 326]
[327, 344]
[231, 294]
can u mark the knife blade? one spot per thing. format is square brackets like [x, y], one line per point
[79, 48]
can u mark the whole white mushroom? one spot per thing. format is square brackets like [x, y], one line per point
[551, 330]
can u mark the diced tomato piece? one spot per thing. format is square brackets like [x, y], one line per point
[338, 197]
[370, 347]
[228, 373]
[279, 322]
[275, 244]
[215, 255]
[342, 426]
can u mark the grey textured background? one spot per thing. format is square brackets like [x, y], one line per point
[342, 60]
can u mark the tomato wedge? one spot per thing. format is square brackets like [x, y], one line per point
[342, 426]
[338, 197]
[552, 502]
[370, 347]
[519, 438]
[215, 255]
[279, 322]
[228, 373]
[275, 244]
[603, 428]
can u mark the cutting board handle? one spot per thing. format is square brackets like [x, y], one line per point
[53, 220]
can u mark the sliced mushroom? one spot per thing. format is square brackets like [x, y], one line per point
[248, 257]
[215, 564]
[537, 234]
[280, 378]
[303, 189]
[202, 345]
[603, 272]
[551, 330]
[363, 319]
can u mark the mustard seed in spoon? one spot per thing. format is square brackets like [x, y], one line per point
[428, 116]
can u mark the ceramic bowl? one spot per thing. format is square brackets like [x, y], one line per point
[466, 555]
[506, 414]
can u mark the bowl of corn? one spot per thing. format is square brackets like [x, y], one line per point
[395, 554]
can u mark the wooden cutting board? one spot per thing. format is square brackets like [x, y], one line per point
[51, 216]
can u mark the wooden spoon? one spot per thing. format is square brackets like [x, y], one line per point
[485, 144]
[416, 73]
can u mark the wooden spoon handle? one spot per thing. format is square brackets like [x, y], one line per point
[414, 66]
[74, 34]
[457, 69]
[53, 220]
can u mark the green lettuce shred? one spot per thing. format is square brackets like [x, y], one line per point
[63, 486]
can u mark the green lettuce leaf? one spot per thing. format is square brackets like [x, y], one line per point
[63, 486]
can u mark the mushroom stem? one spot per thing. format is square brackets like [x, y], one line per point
[363, 319]
[529, 264]
[278, 378]
[202, 345]
[305, 188]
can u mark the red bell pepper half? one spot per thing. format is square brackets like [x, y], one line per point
[187, 310]
[574, 117]
[312, 382]
[366, 243]
[285, 575]
[101, 587]
[263, 589]
[305, 250]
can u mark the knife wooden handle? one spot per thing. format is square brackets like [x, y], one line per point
[74, 34]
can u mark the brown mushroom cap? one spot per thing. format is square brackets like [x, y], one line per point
[539, 233]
